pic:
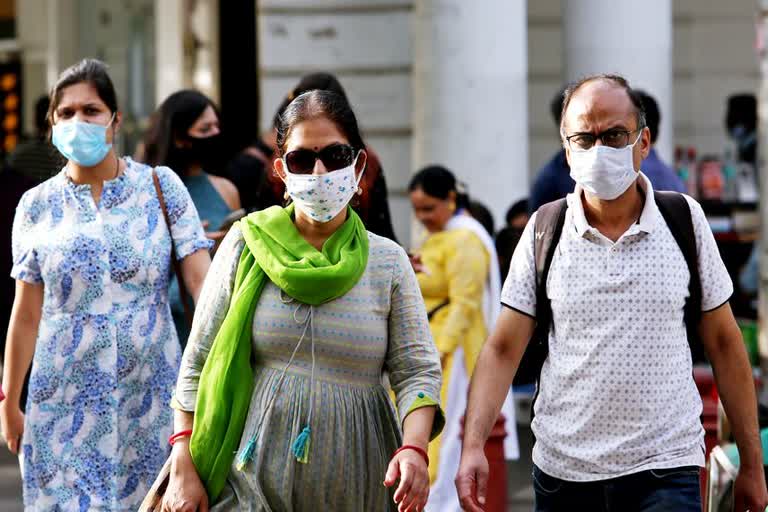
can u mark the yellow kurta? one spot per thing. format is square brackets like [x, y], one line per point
[457, 266]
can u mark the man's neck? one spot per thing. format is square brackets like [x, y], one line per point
[613, 218]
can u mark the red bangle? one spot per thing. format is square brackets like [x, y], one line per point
[178, 435]
[418, 450]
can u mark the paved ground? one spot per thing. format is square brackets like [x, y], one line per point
[520, 491]
[10, 482]
[520, 487]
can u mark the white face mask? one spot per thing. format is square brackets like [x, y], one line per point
[323, 196]
[604, 171]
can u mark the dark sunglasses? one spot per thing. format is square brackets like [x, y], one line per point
[334, 157]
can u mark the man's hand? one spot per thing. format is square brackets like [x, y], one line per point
[472, 480]
[749, 490]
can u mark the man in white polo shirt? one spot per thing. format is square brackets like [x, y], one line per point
[617, 418]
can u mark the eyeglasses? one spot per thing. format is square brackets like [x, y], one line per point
[614, 138]
[334, 157]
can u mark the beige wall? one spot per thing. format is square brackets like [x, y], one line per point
[367, 44]
[713, 57]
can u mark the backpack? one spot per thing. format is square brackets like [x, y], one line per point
[550, 219]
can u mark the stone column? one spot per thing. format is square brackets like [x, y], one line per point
[170, 55]
[470, 101]
[762, 170]
[633, 39]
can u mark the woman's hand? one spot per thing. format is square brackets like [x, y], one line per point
[411, 468]
[12, 425]
[185, 492]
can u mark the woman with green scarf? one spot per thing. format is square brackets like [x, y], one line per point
[280, 404]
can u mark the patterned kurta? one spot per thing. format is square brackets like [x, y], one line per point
[107, 354]
[380, 324]
[456, 271]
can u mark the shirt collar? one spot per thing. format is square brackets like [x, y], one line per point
[648, 216]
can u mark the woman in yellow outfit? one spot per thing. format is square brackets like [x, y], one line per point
[458, 273]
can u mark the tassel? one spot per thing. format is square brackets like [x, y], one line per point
[246, 454]
[300, 446]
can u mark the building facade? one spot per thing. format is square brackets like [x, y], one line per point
[465, 84]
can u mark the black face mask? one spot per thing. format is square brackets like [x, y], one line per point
[208, 152]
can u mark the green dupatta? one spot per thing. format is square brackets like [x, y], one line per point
[274, 250]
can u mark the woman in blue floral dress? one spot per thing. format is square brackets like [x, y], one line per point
[92, 260]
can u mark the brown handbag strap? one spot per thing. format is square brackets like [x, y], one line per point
[176, 263]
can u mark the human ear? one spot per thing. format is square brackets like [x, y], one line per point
[645, 146]
[279, 166]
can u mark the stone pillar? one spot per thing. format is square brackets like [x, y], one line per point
[63, 28]
[31, 15]
[633, 39]
[762, 170]
[47, 35]
[470, 101]
[171, 60]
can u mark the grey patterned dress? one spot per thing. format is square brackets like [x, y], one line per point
[379, 325]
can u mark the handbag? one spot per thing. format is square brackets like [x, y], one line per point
[174, 261]
[153, 501]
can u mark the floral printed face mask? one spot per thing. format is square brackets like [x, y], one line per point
[323, 196]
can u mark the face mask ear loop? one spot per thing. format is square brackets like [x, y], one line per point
[354, 166]
[114, 128]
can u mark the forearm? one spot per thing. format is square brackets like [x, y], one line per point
[182, 420]
[19, 350]
[417, 427]
[490, 384]
[733, 375]
[194, 269]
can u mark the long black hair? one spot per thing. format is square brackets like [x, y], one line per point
[319, 104]
[171, 122]
[437, 181]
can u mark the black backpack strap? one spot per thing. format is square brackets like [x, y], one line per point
[548, 227]
[550, 219]
[677, 214]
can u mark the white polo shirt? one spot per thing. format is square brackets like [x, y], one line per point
[617, 393]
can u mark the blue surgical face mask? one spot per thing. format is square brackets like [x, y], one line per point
[83, 143]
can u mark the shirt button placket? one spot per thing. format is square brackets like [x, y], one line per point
[613, 262]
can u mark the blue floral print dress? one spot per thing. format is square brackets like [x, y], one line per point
[107, 354]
